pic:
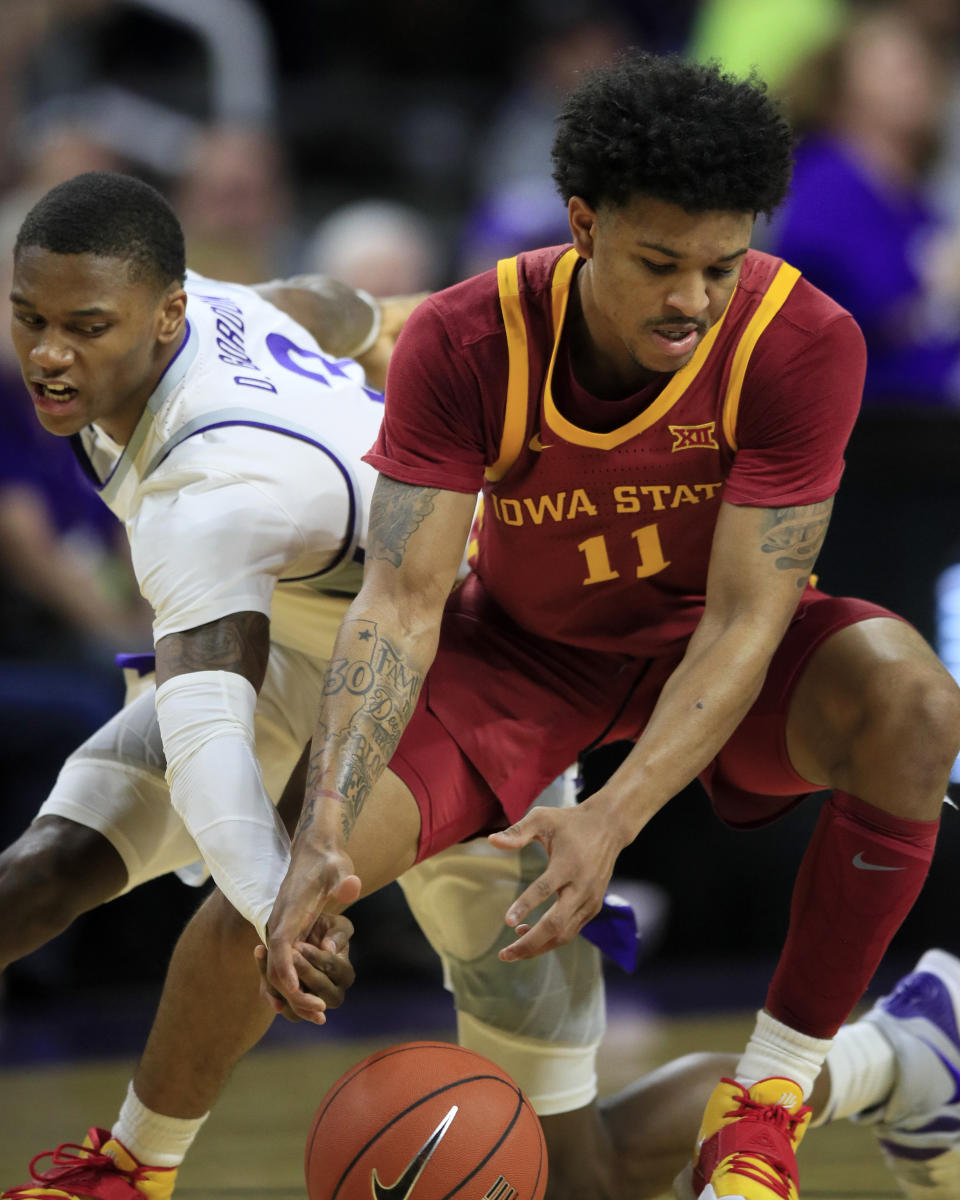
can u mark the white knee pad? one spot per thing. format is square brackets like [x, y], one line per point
[541, 1019]
[555, 1077]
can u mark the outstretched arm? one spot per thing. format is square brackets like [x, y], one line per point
[346, 323]
[211, 591]
[759, 565]
[207, 684]
[385, 646]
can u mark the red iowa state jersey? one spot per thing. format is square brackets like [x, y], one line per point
[596, 531]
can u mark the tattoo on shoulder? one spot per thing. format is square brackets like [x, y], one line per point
[795, 536]
[396, 511]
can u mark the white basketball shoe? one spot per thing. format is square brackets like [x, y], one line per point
[918, 1126]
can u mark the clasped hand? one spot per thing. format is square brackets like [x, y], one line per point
[304, 964]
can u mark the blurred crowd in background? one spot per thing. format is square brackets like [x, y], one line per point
[400, 147]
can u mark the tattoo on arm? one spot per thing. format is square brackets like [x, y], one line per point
[396, 511]
[238, 643]
[384, 690]
[795, 536]
[312, 789]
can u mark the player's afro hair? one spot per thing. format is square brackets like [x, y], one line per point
[680, 131]
[114, 215]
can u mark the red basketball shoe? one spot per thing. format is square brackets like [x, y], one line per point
[101, 1169]
[746, 1147]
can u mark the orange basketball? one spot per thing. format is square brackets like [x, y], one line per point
[426, 1121]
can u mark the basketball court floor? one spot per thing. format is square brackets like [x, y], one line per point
[66, 1069]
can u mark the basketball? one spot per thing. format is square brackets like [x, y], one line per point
[425, 1121]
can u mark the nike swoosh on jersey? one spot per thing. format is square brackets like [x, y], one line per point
[403, 1188]
[862, 865]
[536, 444]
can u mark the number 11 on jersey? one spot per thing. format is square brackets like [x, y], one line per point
[599, 568]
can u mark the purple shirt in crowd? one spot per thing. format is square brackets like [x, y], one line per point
[861, 240]
[32, 457]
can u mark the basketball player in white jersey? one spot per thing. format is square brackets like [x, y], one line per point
[229, 443]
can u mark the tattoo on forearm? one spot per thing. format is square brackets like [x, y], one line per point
[312, 788]
[396, 512]
[385, 689]
[795, 535]
[239, 642]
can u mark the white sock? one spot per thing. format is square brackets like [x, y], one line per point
[776, 1050]
[152, 1138]
[862, 1072]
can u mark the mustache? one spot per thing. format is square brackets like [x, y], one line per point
[677, 323]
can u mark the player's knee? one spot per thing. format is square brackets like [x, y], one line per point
[52, 873]
[942, 700]
[227, 931]
[911, 712]
[228, 939]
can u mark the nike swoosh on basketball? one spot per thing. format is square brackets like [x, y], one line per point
[403, 1188]
[862, 865]
[536, 444]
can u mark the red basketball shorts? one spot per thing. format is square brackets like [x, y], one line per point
[502, 713]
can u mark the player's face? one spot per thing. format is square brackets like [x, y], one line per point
[656, 279]
[91, 342]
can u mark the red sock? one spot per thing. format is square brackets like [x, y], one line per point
[845, 910]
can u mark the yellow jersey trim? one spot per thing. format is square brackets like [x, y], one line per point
[560, 286]
[518, 358]
[473, 544]
[776, 294]
[518, 370]
[678, 384]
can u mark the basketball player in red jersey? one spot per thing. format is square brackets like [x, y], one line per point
[656, 417]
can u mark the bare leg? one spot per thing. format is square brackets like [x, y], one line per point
[652, 1124]
[876, 714]
[210, 1014]
[52, 873]
[210, 1011]
[632, 1145]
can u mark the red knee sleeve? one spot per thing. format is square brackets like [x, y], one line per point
[858, 880]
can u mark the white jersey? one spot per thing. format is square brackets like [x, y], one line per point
[242, 487]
